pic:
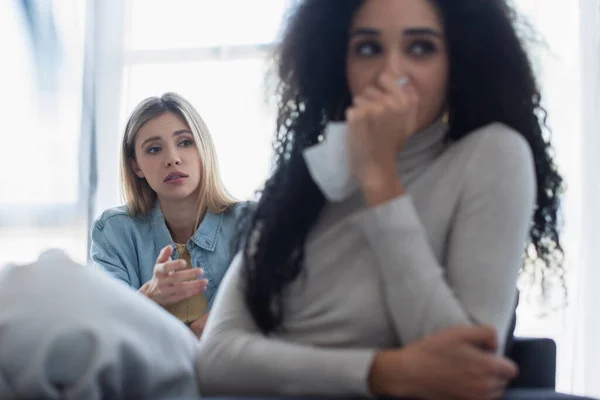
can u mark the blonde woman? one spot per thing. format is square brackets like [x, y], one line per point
[171, 241]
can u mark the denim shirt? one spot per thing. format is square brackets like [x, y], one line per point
[127, 247]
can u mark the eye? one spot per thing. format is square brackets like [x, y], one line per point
[153, 149]
[367, 48]
[186, 143]
[421, 48]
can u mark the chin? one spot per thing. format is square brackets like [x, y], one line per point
[176, 195]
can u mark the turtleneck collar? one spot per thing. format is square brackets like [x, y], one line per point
[423, 147]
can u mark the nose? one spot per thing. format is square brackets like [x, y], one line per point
[394, 64]
[172, 158]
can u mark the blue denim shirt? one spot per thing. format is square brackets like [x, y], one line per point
[127, 247]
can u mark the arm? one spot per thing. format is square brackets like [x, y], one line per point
[484, 248]
[105, 255]
[235, 358]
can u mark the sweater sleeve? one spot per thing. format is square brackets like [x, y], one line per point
[484, 250]
[235, 358]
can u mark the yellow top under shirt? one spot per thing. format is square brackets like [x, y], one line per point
[191, 309]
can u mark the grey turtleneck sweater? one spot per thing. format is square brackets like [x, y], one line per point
[446, 254]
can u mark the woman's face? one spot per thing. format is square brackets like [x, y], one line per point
[167, 157]
[406, 39]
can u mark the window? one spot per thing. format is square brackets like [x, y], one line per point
[215, 54]
[197, 24]
[41, 200]
[557, 63]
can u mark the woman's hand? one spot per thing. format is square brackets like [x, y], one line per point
[172, 281]
[198, 325]
[458, 363]
[380, 122]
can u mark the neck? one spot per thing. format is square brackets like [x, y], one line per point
[180, 218]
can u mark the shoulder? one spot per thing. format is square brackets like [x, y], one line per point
[495, 146]
[117, 217]
[498, 163]
[239, 210]
[233, 217]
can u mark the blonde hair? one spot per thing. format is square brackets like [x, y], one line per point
[136, 192]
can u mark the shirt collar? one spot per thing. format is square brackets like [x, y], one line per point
[204, 237]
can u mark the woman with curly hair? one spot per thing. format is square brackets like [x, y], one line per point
[412, 171]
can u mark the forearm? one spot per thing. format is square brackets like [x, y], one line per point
[242, 363]
[473, 279]
[418, 296]
[422, 302]
[236, 358]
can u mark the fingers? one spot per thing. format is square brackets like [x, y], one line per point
[198, 326]
[401, 90]
[356, 116]
[411, 96]
[164, 255]
[372, 100]
[496, 371]
[506, 368]
[481, 336]
[389, 84]
[201, 322]
[170, 289]
[184, 290]
[500, 370]
[165, 269]
[183, 276]
[374, 97]
[374, 106]
[388, 93]
[488, 375]
[369, 108]
[372, 94]
[496, 390]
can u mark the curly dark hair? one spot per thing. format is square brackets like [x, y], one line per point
[491, 80]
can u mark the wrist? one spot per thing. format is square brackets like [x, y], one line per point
[380, 188]
[375, 381]
[379, 181]
[388, 375]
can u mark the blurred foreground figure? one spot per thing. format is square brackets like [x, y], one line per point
[70, 332]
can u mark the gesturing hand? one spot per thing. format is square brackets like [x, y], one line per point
[172, 281]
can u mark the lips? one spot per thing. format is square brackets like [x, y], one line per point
[175, 175]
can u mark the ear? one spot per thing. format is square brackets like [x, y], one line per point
[136, 168]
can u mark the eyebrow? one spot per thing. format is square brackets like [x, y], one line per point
[420, 31]
[176, 133]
